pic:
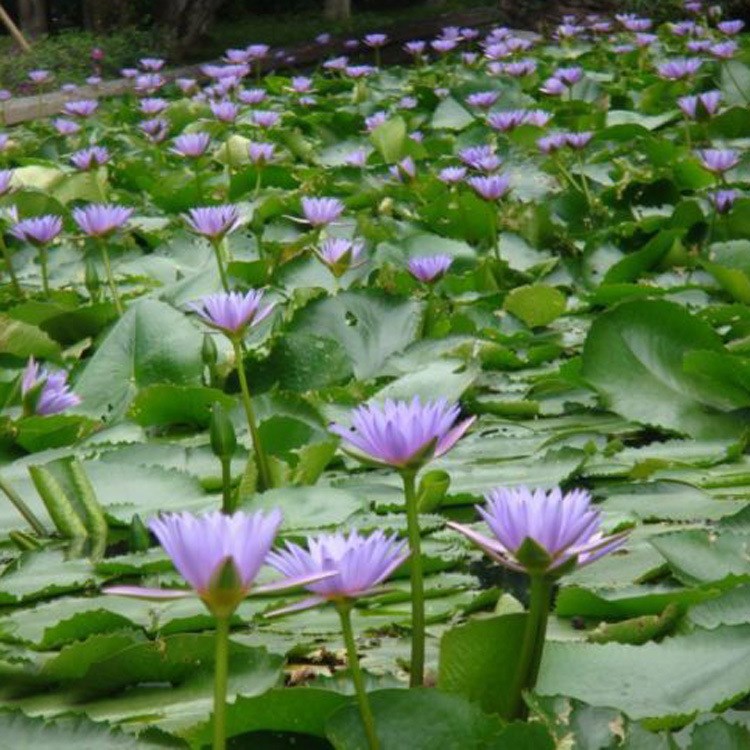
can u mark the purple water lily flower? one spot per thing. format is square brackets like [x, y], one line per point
[724, 50]
[320, 212]
[429, 268]
[6, 176]
[81, 108]
[718, 160]
[340, 254]
[40, 77]
[403, 434]
[405, 170]
[225, 111]
[186, 85]
[258, 51]
[101, 219]
[360, 564]
[260, 153]
[39, 230]
[569, 76]
[553, 87]
[376, 40]
[490, 187]
[356, 158]
[730, 28]
[452, 175]
[65, 127]
[698, 45]
[563, 530]
[191, 145]
[482, 99]
[153, 106]
[578, 141]
[723, 200]
[443, 46]
[359, 71]
[89, 158]
[129, 73]
[213, 222]
[232, 313]
[237, 56]
[505, 122]
[551, 143]
[706, 104]
[265, 118]
[631, 22]
[52, 393]
[415, 48]
[408, 102]
[149, 83]
[520, 68]
[152, 64]
[482, 158]
[375, 120]
[156, 129]
[679, 68]
[336, 63]
[252, 96]
[203, 547]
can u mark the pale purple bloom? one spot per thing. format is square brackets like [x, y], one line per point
[339, 254]
[129, 72]
[553, 87]
[376, 40]
[482, 158]
[563, 528]
[351, 44]
[225, 111]
[469, 58]
[497, 51]
[520, 68]
[633, 23]
[336, 63]
[89, 158]
[730, 28]
[441, 92]
[578, 141]
[569, 76]
[569, 31]
[191, 145]
[40, 76]
[469, 34]
[415, 48]
[452, 175]
[186, 85]
[724, 50]
[679, 68]
[517, 44]
[213, 222]
[537, 117]
[361, 564]
[258, 51]
[101, 219]
[321, 211]
[491, 187]
[356, 158]
[404, 170]
[202, 546]
[359, 71]
[407, 102]
[232, 312]
[237, 56]
[323, 38]
[148, 83]
[301, 84]
[443, 46]
[4, 140]
[252, 96]
[645, 40]
[6, 175]
[707, 103]
[91, 81]
[548, 144]
[506, 121]
[482, 99]
[699, 45]
[265, 118]
[39, 230]
[403, 434]
[693, 7]
[375, 120]
[152, 64]
[260, 153]
[54, 394]
[719, 160]
[81, 108]
[156, 129]
[66, 127]
[623, 49]
[683, 28]
[5, 95]
[723, 200]
[429, 268]
[153, 106]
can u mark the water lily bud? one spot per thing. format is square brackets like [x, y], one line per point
[221, 430]
[432, 489]
[139, 539]
[209, 352]
[91, 280]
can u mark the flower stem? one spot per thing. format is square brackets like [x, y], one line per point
[18, 503]
[227, 502]
[9, 265]
[344, 610]
[110, 278]
[45, 273]
[261, 459]
[533, 644]
[585, 184]
[216, 244]
[416, 677]
[221, 678]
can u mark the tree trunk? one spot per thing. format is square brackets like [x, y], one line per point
[338, 10]
[186, 20]
[32, 17]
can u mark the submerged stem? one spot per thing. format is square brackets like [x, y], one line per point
[110, 278]
[221, 678]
